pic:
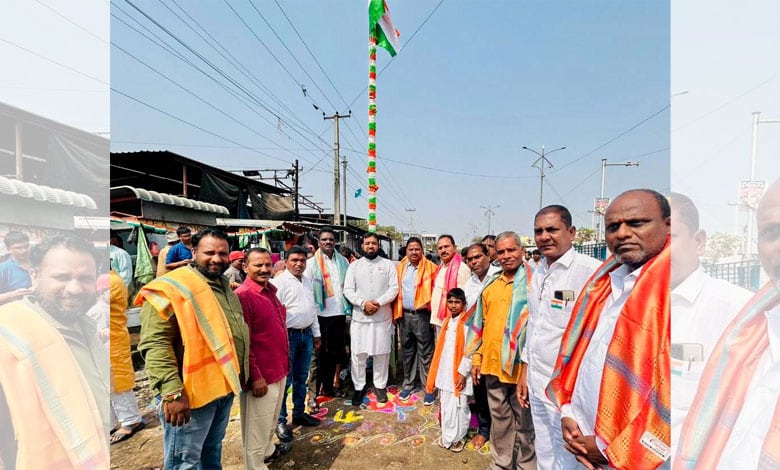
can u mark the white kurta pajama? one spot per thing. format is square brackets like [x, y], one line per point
[371, 335]
[455, 412]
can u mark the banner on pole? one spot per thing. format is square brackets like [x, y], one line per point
[750, 193]
[600, 204]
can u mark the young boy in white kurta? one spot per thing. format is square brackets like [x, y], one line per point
[450, 373]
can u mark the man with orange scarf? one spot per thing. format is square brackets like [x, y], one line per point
[196, 346]
[496, 332]
[412, 313]
[734, 420]
[611, 378]
[54, 406]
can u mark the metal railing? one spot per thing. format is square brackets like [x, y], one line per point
[745, 273]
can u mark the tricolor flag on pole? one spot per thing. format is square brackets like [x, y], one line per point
[381, 26]
[381, 33]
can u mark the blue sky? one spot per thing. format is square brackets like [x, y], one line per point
[470, 88]
[724, 54]
[476, 83]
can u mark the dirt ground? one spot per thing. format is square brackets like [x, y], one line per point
[400, 435]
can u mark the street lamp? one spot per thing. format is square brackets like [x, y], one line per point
[543, 160]
[489, 213]
[604, 166]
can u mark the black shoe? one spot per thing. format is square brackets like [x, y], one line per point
[283, 432]
[279, 450]
[381, 395]
[357, 398]
[306, 420]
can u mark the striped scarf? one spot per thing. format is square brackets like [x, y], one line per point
[723, 388]
[460, 348]
[450, 282]
[634, 396]
[322, 279]
[209, 351]
[55, 417]
[423, 285]
[514, 332]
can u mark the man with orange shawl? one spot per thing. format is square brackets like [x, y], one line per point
[412, 313]
[496, 332]
[611, 378]
[53, 367]
[196, 346]
[734, 421]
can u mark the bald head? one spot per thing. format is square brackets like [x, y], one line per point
[636, 226]
[768, 222]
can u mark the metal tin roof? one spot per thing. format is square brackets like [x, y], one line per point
[171, 200]
[13, 187]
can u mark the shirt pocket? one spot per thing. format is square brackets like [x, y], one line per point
[560, 312]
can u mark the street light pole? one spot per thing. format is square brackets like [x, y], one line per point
[604, 166]
[489, 213]
[544, 160]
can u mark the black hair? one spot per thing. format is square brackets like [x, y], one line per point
[481, 246]
[452, 240]
[208, 232]
[14, 238]
[326, 230]
[368, 235]
[457, 293]
[258, 249]
[489, 237]
[414, 240]
[297, 250]
[182, 230]
[536, 252]
[556, 209]
[71, 242]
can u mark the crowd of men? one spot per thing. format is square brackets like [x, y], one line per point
[566, 361]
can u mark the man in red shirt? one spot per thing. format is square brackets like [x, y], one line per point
[268, 362]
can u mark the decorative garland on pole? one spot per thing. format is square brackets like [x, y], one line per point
[372, 187]
[382, 33]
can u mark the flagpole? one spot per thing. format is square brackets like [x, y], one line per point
[372, 187]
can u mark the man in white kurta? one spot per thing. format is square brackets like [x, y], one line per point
[557, 281]
[702, 307]
[371, 284]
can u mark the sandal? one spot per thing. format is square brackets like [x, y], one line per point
[126, 432]
[458, 446]
[440, 443]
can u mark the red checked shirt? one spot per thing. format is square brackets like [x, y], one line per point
[266, 318]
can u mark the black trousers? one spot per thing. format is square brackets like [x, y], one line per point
[416, 346]
[332, 351]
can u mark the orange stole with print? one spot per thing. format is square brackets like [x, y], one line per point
[423, 280]
[634, 397]
[55, 417]
[209, 352]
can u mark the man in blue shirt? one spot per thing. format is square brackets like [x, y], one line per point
[180, 254]
[14, 272]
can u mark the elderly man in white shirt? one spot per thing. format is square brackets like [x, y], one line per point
[702, 307]
[555, 285]
[371, 285]
[303, 333]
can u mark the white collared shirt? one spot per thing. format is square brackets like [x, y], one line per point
[333, 305]
[702, 307]
[474, 286]
[297, 296]
[548, 317]
[585, 396]
[743, 448]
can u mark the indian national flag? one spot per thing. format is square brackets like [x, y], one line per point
[381, 26]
